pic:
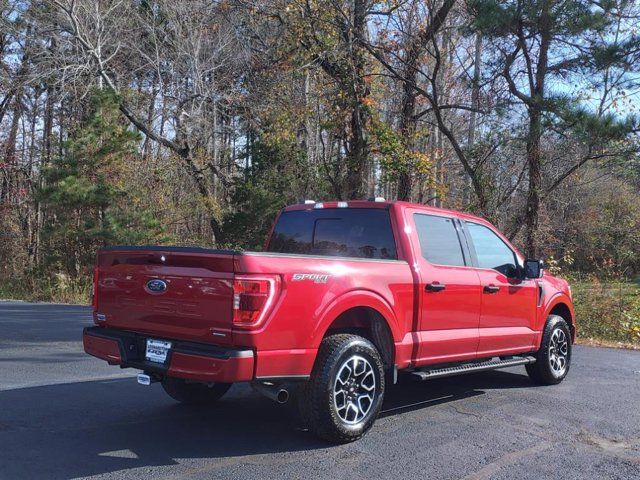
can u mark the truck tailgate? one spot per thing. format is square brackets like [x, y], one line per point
[173, 292]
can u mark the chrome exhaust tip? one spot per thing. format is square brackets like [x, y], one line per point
[274, 392]
[282, 396]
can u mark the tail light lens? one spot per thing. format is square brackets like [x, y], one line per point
[253, 298]
[94, 295]
[97, 318]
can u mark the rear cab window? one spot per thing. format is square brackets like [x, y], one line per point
[439, 240]
[335, 232]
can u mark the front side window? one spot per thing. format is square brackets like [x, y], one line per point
[491, 251]
[342, 232]
[439, 240]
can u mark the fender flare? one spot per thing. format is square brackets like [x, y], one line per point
[550, 304]
[353, 299]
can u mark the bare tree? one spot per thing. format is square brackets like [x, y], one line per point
[191, 56]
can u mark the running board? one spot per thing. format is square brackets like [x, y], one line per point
[470, 367]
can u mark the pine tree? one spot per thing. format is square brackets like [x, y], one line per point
[84, 190]
[539, 44]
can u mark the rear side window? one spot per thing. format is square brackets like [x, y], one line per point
[439, 240]
[492, 252]
[341, 232]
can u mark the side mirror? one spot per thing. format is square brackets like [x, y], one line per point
[533, 268]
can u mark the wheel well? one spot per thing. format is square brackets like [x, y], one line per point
[370, 324]
[562, 310]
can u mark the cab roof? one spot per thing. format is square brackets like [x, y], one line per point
[379, 203]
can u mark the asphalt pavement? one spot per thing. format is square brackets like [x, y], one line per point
[66, 415]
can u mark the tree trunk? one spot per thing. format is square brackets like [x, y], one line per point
[534, 159]
[10, 151]
[535, 183]
[44, 161]
[358, 143]
[151, 110]
[407, 123]
[475, 103]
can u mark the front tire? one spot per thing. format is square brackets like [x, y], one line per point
[343, 398]
[554, 357]
[194, 393]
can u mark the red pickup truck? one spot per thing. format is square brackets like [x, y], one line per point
[344, 296]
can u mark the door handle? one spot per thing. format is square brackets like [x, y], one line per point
[435, 287]
[491, 289]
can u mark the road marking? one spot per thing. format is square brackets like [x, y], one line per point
[615, 448]
[119, 454]
[492, 468]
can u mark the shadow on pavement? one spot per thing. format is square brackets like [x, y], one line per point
[411, 395]
[97, 427]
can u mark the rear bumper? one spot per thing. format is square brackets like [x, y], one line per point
[194, 361]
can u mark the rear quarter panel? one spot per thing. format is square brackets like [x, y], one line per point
[305, 307]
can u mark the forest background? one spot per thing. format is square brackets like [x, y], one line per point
[194, 122]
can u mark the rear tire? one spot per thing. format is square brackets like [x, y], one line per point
[194, 393]
[553, 360]
[343, 398]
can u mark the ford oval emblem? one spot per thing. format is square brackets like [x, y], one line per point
[156, 286]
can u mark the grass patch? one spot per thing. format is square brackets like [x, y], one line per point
[608, 311]
[59, 289]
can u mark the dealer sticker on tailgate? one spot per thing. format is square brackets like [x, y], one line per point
[157, 350]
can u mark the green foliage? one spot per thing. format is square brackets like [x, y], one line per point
[13, 255]
[606, 234]
[607, 311]
[499, 18]
[601, 130]
[493, 17]
[59, 289]
[394, 157]
[276, 177]
[257, 204]
[579, 37]
[86, 192]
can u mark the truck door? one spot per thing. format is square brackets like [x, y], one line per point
[508, 302]
[449, 291]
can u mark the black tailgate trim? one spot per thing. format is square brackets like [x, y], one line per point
[132, 346]
[158, 248]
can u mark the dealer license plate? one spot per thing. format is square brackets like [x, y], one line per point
[157, 350]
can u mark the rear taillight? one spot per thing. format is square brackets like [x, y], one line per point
[253, 297]
[94, 296]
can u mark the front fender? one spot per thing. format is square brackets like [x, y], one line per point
[551, 303]
[353, 299]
